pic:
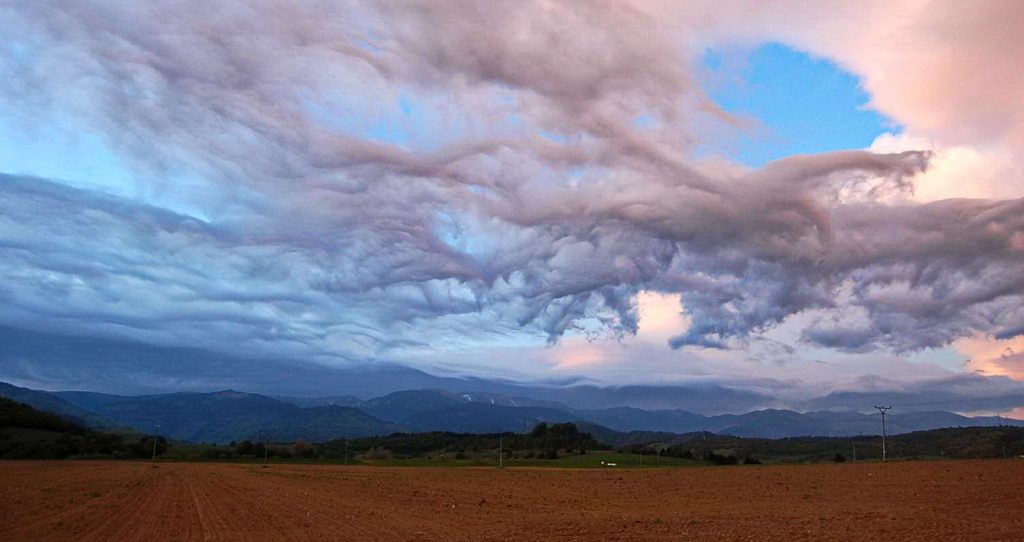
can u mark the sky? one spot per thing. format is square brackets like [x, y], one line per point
[799, 198]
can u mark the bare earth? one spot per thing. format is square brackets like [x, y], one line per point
[951, 500]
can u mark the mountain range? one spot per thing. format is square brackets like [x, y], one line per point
[225, 416]
[42, 359]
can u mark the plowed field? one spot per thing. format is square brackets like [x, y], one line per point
[951, 500]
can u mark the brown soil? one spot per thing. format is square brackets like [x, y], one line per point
[948, 500]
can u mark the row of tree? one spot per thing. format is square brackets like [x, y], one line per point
[953, 442]
[544, 441]
[32, 434]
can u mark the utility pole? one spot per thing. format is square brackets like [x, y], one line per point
[156, 437]
[500, 450]
[346, 451]
[883, 410]
[853, 443]
[266, 453]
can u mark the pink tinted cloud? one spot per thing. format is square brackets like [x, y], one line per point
[946, 69]
[948, 72]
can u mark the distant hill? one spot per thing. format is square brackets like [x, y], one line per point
[787, 423]
[635, 419]
[625, 438]
[768, 424]
[399, 406]
[231, 415]
[15, 414]
[29, 433]
[486, 418]
[91, 401]
[197, 417]
[49, 402]
[317, 424]
[332, 400]
[436, 410]
[772, 423]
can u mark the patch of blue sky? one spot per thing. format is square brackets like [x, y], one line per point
[555, 137]
[353, 116]
[946, 357]
[387, 132]
[63, 152]
[413, 119]
[645, 121]
[451, 229]
[577, 175]
[19, 53]
[80, 159]
[404, 119]
[366, 46]
[368, 40]
[804, 104]
[447, 229]
[505, 96]
[405, 102]
[513, 120]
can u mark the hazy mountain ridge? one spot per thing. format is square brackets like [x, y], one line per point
[231, 415]
[487, 418]
[54, 404]
[307, 402]
[775, 423]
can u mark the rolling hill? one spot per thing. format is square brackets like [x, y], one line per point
[54, 404]
[229, 415]
[30, 433]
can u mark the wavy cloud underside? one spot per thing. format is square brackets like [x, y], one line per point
[376, 176]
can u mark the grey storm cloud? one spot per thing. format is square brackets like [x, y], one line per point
[522, 195]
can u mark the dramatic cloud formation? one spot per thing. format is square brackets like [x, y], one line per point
[345, 181]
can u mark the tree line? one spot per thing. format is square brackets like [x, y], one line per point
[27, 433]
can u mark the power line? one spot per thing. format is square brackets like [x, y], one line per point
[883, 410]
[266, 453]
[156, 438]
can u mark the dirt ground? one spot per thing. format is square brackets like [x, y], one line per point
[949, 500]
